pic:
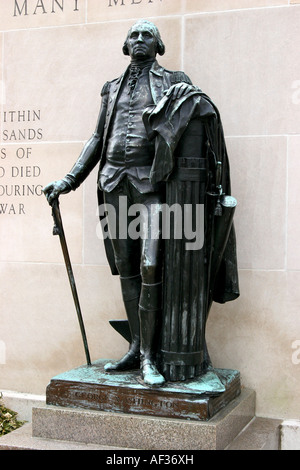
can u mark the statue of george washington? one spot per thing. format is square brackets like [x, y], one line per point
[159, 142]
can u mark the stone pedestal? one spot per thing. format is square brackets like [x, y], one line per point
[140, 432]
[88, 405]
[90, 387]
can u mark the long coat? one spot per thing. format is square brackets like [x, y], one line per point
[160, 80]
[94, 151]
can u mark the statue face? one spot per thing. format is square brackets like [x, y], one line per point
[142, 44]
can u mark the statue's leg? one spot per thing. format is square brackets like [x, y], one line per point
[131, 288]
[150, 310]
[127, 259]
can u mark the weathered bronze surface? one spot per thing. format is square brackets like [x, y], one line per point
[92, 388]
[159, 145]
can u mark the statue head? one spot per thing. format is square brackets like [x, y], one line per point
[143, 28]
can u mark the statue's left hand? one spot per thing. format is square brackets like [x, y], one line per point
[179, 89]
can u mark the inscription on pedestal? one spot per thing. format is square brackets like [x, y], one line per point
[129, 401]
[92, 388]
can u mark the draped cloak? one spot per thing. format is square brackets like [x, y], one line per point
[166, 123]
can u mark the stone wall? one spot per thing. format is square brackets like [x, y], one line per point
[54, 58]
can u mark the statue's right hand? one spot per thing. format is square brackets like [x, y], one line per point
[54, 189]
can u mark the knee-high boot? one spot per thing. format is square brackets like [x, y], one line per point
[131, 289]
[150, 314]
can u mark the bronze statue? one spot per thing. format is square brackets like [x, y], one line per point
[159, 142]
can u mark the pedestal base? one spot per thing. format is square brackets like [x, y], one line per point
[90, 387]
[138, 432]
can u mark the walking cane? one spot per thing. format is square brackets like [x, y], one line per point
[58, 230]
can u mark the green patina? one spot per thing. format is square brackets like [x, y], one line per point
[213, 382]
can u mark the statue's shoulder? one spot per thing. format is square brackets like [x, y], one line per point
[173, 76]
[178, 76]
[107, 86]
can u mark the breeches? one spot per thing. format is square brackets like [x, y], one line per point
[135, 235]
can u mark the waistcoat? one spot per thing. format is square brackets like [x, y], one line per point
[128, 146]
[128, 142]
